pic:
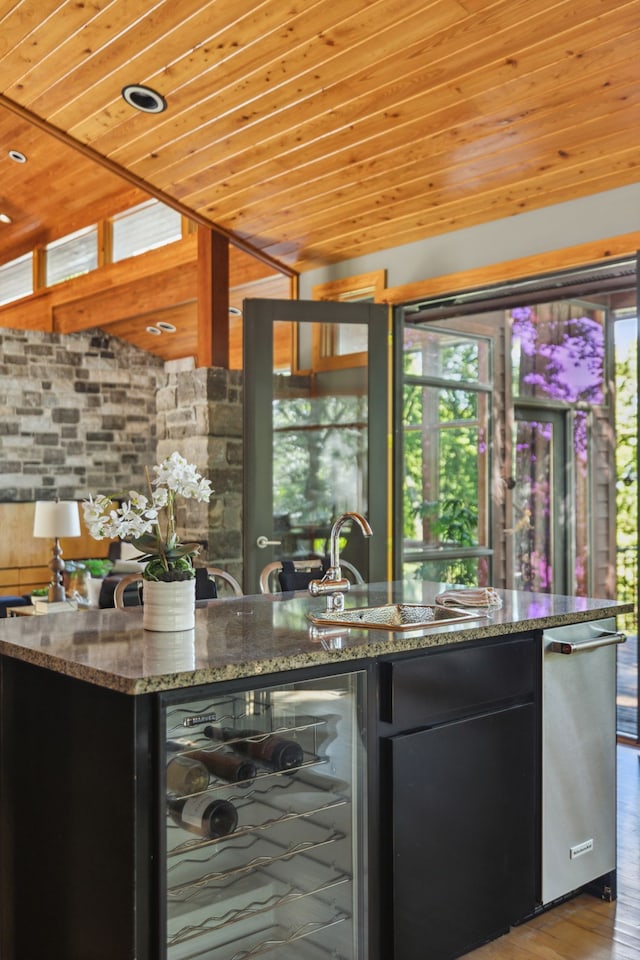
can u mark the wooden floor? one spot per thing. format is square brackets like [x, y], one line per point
[586, 928]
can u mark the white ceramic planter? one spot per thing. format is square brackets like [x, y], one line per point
[169, 606]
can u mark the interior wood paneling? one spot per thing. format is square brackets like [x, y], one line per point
[319, 134]
[125, 298]
[24, 559]
[625, 245]
[57, 191]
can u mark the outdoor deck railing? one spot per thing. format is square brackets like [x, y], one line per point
[627, 580]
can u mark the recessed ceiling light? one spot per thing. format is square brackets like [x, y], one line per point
[154, 331]
[235, 312]
[5, 218]
[167, 327]
[17, 156]
[144, 98]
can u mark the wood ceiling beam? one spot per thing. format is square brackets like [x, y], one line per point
[130, 177]
[213, 300]
[135, 298]
[597, 251]
[30, 313]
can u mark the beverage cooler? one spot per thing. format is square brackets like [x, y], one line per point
[265, 817]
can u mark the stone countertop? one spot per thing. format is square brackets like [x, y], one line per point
[260, 635]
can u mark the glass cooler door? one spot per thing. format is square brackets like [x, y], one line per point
[265, 816]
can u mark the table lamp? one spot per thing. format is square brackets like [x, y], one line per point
[54, 519]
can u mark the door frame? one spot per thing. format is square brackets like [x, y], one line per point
[259, 318]
[494, 388]
[562, 552]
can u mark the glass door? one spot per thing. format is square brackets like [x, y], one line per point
[316, 431]
[447, 414]
[626, 405]
[539, 495]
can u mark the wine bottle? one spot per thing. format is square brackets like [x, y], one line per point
[208, 817]
[272, 750]
[225, 765]
[186, 775]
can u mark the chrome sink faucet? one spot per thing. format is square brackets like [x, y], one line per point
[333, 585]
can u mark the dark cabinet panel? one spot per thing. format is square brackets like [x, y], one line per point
[464, 861]
[448, 684]
[77, 834]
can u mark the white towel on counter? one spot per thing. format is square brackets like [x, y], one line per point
[470, 597]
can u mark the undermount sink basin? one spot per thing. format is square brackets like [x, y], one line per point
[395, 616]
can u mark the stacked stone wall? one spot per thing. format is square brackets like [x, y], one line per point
[200, 416]
[85, 413]
[77, 414]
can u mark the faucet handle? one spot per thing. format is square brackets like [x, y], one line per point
[327, 586]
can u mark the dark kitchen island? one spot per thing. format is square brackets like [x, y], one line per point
[407, 821]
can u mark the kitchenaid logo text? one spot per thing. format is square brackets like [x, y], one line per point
[580, 848]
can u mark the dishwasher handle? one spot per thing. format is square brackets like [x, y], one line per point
[567, 647]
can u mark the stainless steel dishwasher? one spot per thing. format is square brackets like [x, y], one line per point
[578, 756]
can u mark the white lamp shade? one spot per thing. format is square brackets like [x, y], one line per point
[56, 518]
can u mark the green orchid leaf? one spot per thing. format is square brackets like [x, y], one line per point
[182, 550]
[147, 543]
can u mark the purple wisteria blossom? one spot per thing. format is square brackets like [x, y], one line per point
[567, 356]
[561, 359]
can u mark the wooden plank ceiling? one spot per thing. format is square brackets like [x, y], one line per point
[321, 131]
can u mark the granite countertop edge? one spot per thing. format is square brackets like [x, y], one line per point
[132, 676]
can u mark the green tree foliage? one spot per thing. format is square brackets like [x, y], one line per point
[627, 448]
[627, 477]
[454, 439]
[319, 453]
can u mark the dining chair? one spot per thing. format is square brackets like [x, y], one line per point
[284, 576]
[206, 586]
[217, 575]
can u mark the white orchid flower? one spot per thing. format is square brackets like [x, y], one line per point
[140, 516]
